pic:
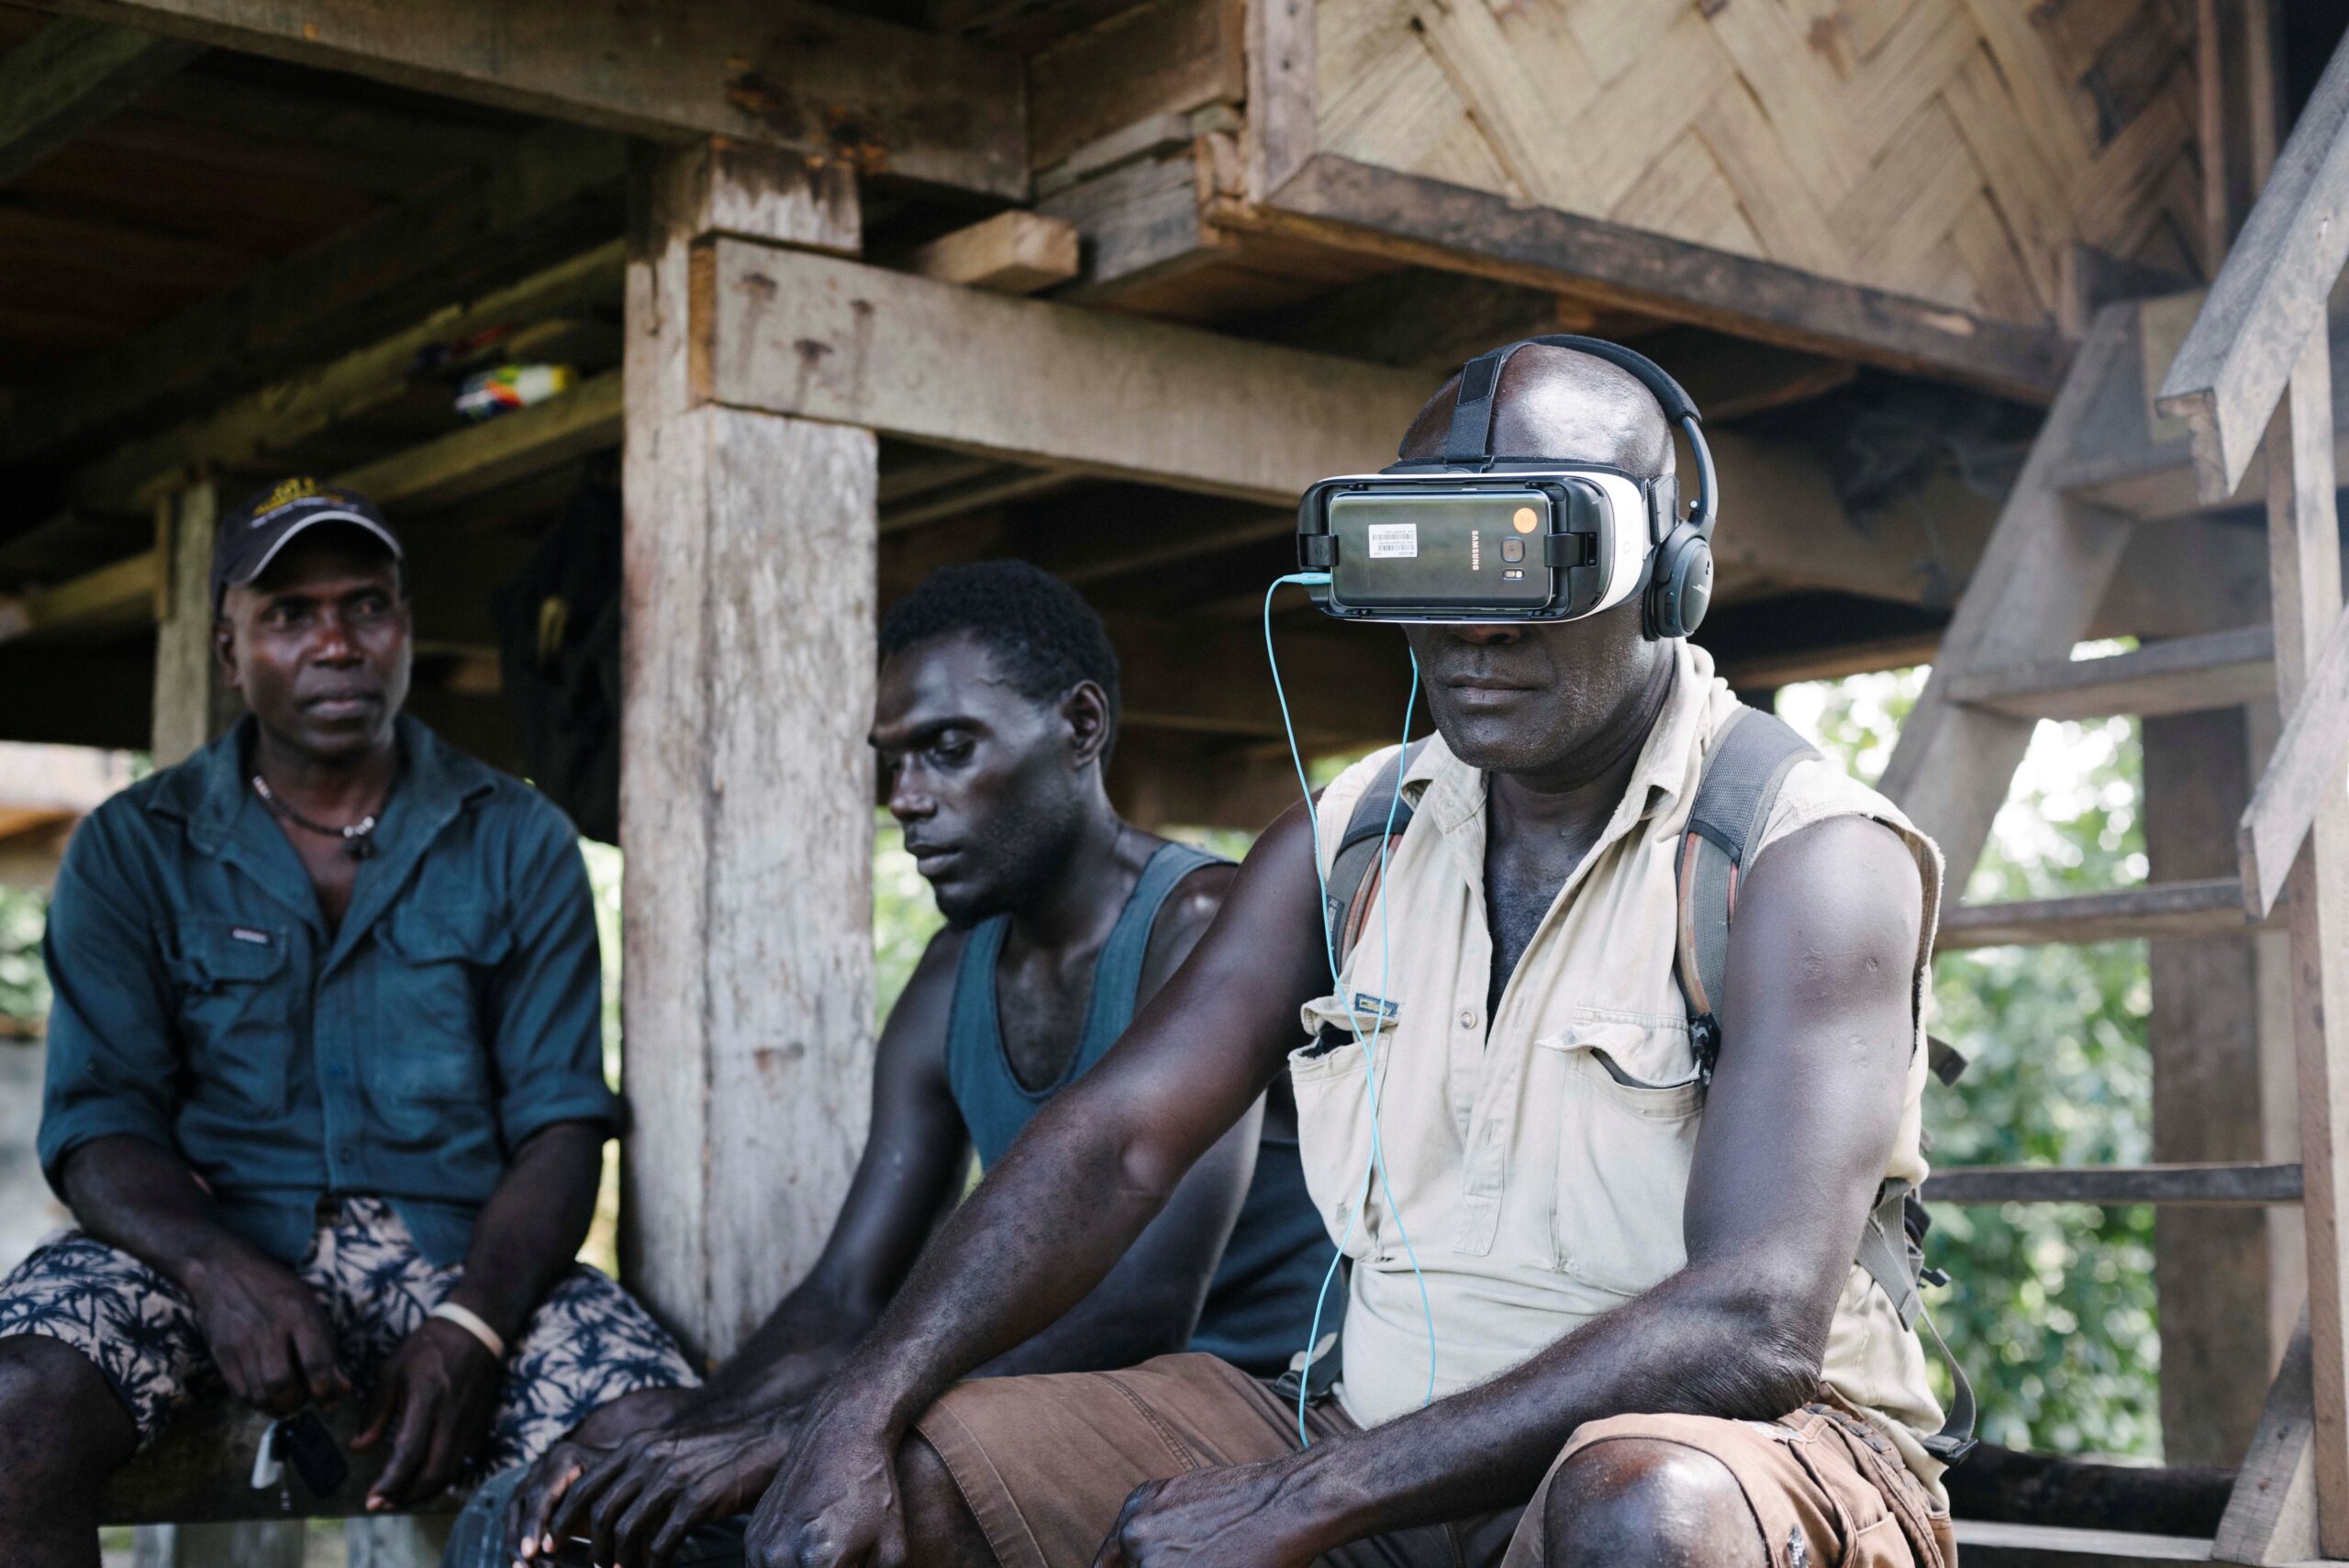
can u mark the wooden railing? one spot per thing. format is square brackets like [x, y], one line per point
[2255, 376]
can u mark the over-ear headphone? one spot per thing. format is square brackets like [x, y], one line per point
[1680, 579]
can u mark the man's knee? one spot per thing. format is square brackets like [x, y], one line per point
[1648, 1504]
[60, 1422]
[940, 1528]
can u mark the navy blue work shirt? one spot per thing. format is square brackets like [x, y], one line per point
[201, 1003]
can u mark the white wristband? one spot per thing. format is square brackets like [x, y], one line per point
[470, 1322]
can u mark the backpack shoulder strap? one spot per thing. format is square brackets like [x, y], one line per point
[1745, 765]
[1353, 870]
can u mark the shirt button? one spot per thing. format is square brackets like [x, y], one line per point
[1467, 1017]
[345, 1151]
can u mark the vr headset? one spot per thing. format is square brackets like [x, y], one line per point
[1473, 537]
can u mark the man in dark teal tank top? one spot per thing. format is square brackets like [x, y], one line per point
[997, 710]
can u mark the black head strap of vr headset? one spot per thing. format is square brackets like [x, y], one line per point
[1470, 439]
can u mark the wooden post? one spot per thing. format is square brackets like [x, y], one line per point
[190, 704]
[746, 787]
[2210, 1267]
[2304, 573]
[2279, 1098]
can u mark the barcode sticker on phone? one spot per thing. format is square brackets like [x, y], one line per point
[1394, 542]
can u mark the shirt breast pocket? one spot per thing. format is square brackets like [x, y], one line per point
[1329, 1079]
[434, 1045]
[236, 1010]
[1629, 1107]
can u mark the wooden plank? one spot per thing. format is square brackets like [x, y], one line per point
[876, 96]
[746, 804]
[1347, 203]
[1988, 1544]
[1160, 57]
[2032, 595]
[817, 338]
[2210, 1273]
[1014, 251]
[2271, 1514]
[2210, 907]
[191, 704]
[2308, 756]
[2304, 577]
[247, 431]
[480, 457]
[558, 197]
[69, 76]
[2182, 675]
[2270, 295]
[2184, 1185]
[1281, 92]
[1139, 224]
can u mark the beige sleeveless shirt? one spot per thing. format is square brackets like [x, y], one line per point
[1540, 1165]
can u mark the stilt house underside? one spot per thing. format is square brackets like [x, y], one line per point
[854, 291]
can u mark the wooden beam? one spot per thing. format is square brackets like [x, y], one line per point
[2032, 595]
[746, 791]
[2181, 675]
[2208, 1186]
[2304, 576]
[811, 79]
[818, 338]
[2211, 906]
[1160, 57]
[250, 430]
[1413, 218]
[1990, 1544]
[2271, 1516]
[2308, 756]
[191, 704]
[559, 195]
[480, 457]
[2270, 297]
[1014, 251]
[2210, 1271]
[68, 77]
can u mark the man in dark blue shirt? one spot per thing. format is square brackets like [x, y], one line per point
[325, 1079]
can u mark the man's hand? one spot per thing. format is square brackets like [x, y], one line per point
[441, 1387]
[834, 1504]
[267, 1332]
[530, 1508]
[1237, 1514]
[639, 1500]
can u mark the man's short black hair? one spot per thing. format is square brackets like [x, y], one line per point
[1043, 633]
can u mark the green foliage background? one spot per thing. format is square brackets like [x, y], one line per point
[2051, 1309]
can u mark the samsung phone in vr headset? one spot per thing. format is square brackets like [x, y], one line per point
[1472, 537]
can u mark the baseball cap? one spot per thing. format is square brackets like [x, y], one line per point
[248, 539]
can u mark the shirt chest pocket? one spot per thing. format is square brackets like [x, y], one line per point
[237, 1010]
[1629, 1103]
[432, 991]
[1330, 1081]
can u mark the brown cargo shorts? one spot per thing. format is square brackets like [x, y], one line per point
[1045, 1463]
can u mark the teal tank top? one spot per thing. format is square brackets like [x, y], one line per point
[1260, 1305]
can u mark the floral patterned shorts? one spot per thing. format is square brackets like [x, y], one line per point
[588, 1344]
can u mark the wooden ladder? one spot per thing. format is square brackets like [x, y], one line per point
[2253, 378]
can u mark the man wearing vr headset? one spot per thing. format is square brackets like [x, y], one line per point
[1611, 1296]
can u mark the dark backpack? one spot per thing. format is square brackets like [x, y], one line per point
[1748, 760]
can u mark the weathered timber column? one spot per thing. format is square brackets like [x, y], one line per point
[2210, 1266]
[190, 704]
[746, 788]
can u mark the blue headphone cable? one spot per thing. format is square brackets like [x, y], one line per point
[1370, 1053]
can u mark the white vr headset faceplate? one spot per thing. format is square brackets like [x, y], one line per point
[1627, 509]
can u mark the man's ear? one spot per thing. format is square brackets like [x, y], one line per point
[224, 646]
[1084, 709]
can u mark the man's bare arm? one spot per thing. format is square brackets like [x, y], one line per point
[1798, 1127]
[1090, 1173]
